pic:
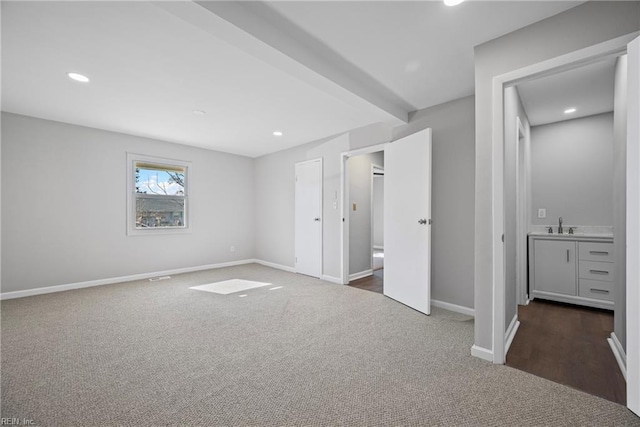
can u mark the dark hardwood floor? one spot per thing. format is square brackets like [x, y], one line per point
[371, 283]
[568, 344]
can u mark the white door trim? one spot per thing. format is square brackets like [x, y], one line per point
[611, 48]
[344, 200]
[320, 260]
[522, 213]
[374, 167]
[633, 229]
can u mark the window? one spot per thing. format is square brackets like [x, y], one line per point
[157, 195]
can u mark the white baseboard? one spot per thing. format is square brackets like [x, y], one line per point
[482, 353]
[360, 275]
[511, 333]
[332, 279]
[619, 353]
[112, 280]
[274, 265]
[453, 307]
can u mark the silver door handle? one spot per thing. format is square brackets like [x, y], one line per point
[602, 291]
[316, 219]
[422, 221]
[567, 255]
[598, 272]
[598, 253]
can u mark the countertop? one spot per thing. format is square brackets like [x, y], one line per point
[575, 236]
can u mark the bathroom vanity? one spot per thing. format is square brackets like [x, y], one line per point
[572, 268]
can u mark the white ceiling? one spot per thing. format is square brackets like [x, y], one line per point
[588, 89]
[420, 50]
[309, 69]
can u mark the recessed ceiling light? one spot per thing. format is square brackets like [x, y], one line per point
[78, 77]
[277, 133]
[452, 2]
[199, 112]
[570, 110]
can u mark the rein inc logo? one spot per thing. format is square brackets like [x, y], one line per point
[16, 422]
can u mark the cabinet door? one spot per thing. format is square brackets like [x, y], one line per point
[555, 267]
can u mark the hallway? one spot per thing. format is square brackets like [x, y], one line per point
[568, 344]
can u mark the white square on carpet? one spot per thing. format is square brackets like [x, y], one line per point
[229, 286]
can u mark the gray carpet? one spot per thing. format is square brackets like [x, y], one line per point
[311, 353]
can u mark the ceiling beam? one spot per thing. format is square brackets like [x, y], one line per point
[260, 31]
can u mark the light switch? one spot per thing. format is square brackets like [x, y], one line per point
[542, 213]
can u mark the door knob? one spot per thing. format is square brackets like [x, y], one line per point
[316, 219]
[422, 221]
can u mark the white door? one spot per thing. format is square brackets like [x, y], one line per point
[308, 218]
[633, 226]
[407, 218]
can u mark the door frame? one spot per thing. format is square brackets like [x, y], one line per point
[295, 249]
[633, 235]
[609, 49]
[344, 205]
[522, 213]
[374, 167]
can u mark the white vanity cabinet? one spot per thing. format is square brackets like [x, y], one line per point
[572, 269]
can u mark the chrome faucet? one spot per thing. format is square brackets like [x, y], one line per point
[560, 226]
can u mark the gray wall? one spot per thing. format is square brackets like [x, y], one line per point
[274, 202]
[580, 27]
[378, 211]
[360, 220]
[572, 171]
[513, 109]
[64, 206]
[452, 203]
[620, 199]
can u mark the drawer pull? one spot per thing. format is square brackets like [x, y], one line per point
[599, 253]
[598, 272]
[601, 291]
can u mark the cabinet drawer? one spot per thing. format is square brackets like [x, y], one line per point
[596, 289]
[596, 270]
[590, 251]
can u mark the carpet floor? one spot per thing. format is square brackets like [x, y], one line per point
[310, 353]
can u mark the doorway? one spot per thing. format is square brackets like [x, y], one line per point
[565, 134]
[366, 201]
[373, 278]
[407, 219]
[501, 339]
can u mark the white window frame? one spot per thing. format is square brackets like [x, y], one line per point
[132, 230]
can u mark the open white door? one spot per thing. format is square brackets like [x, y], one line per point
[308, 218]
[633, 226]
[407, 221]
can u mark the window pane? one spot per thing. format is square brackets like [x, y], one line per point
[159, 212]
[159, 179]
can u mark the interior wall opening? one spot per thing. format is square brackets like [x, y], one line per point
[364, 176]
[562, 203]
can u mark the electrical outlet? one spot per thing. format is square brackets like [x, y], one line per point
[232, 249]
[542, 213]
